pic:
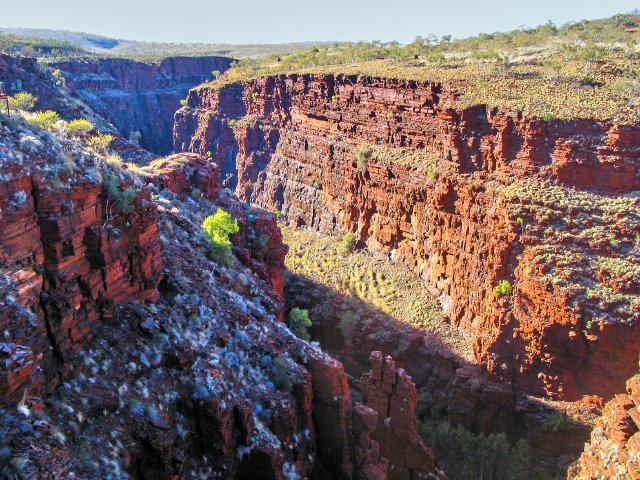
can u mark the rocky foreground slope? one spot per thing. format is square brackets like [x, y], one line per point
[526, 230]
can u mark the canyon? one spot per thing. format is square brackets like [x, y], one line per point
[465, 197]
[206, 380]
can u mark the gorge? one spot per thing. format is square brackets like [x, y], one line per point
[489, 292]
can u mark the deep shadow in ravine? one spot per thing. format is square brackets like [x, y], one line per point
[451, 389]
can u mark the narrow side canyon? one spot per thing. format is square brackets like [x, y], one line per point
[139, 98]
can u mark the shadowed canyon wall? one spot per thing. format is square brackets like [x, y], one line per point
[139, 97]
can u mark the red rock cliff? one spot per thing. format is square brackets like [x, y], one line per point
[452, 215]
[69, 267]
[392, 393]
[614, 449]
[139, 97]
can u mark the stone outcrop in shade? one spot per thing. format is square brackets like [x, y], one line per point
[391, 393]
[137, 96]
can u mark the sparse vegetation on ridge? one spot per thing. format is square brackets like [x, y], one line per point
[585, 69]
[420, 158]
[585, 245]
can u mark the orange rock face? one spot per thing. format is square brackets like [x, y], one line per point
[70, 267]
[184, 174]
[614, 450]
[291, 146]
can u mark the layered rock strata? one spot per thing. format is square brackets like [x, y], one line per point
[445, 191]
[137, 97]
[69, 266]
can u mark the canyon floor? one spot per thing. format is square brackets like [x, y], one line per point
[459, 222]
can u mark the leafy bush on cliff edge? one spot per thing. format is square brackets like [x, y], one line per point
[299, 322]
[218, 228]
[22, 101]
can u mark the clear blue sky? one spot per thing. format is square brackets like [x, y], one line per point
[273, 21]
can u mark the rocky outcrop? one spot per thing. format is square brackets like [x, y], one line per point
[331, 407]
[70, 265]
[440, 193]
[614, 449]
[392, 394]
[185, 174]
[139, 97]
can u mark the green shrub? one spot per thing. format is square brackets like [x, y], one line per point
[362, 155]
[114, 160]
[299, 322]
[119, 198]
[548, 117]
[503, 287]
[347, 243]
[218, 228]
[100, 142]
[46, 119]
[281, 374]
[79, 126]
[183, 102]
[22, 101]
[232, 122]
[554, 421]
[278, 213]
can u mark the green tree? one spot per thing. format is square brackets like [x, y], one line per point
[22, 101]
[464, 455]
[218, 228]
[299, 322]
